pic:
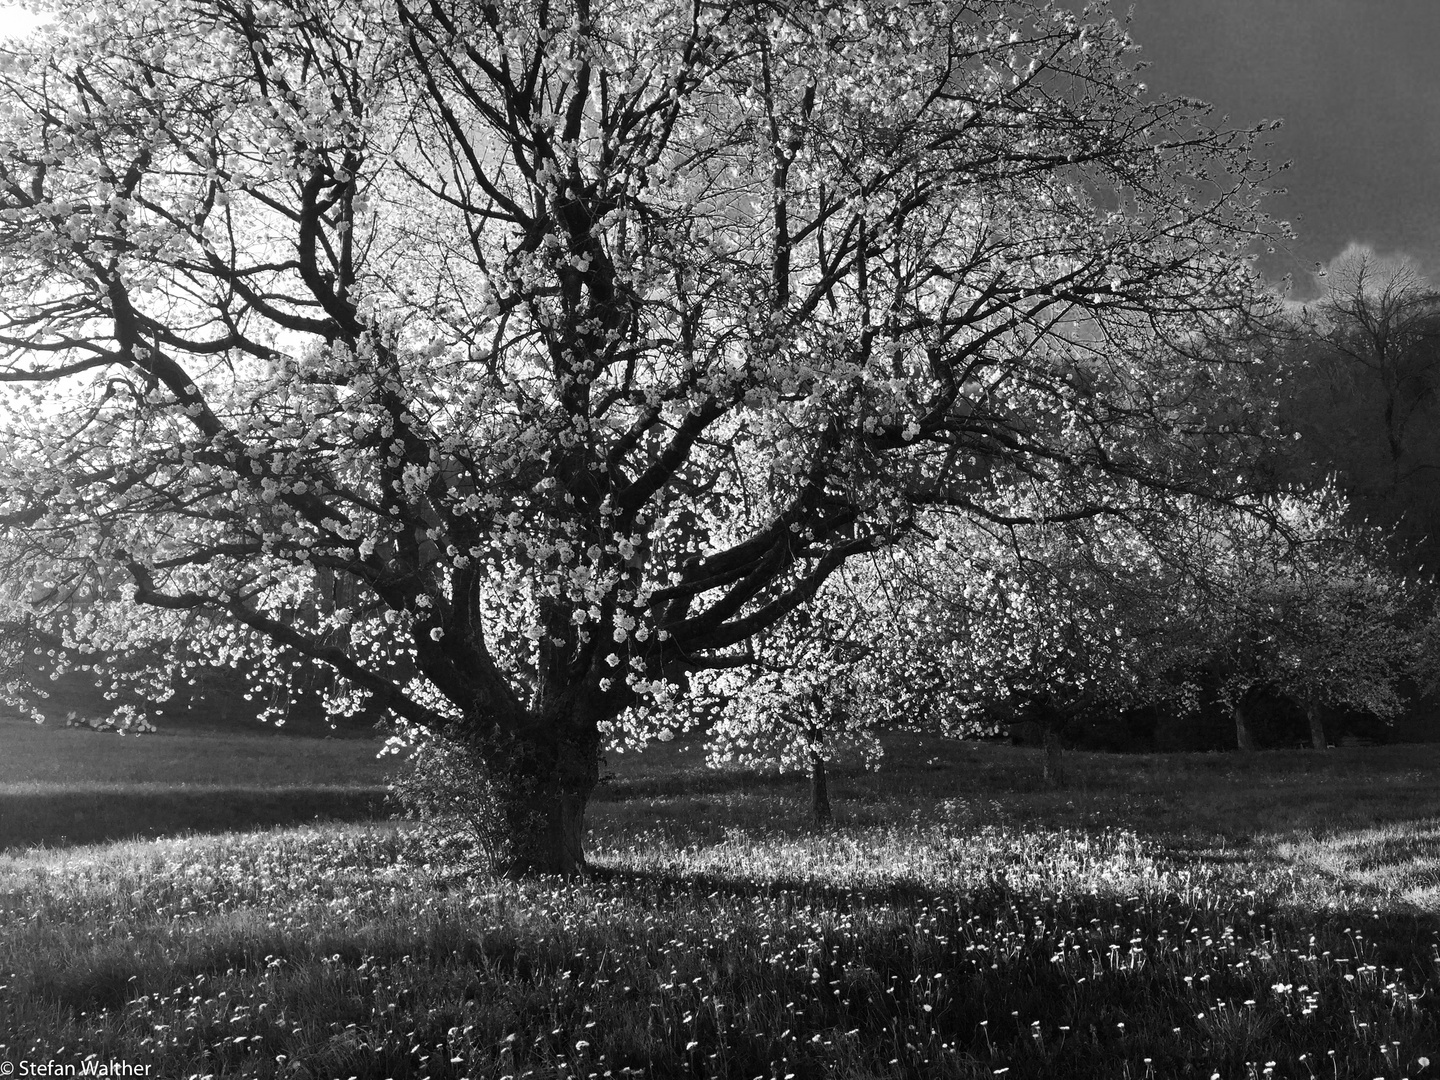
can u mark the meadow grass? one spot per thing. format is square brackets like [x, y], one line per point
[61, 786]
[1200, 915]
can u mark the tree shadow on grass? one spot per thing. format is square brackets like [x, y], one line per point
[66, 818]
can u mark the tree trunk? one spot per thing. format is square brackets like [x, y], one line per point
[1244, 740]
[1054, 766]
[820, 792]
[546, 833]
[1317, 726]
[543, 783]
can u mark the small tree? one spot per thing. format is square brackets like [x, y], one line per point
[797, 695]
[583, 341]
[1310, 613]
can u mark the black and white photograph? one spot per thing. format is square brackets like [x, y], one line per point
[720, 539]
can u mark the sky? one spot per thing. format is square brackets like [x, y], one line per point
[14, 19]
[1357, 85]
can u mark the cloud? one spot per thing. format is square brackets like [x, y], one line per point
[1361, 266]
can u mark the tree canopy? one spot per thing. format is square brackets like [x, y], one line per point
[514, 358]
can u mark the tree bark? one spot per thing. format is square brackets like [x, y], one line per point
[820, 792]
[1054, 766]
[546, 833]
[544, 782]
[1317, 726]
[1244, 739]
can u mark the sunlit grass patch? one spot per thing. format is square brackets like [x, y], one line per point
[1394, 865]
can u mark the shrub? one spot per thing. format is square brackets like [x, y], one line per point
[458, 803]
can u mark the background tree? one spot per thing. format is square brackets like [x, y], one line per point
[969, 628]
[1086, 630]
[1069, 628]
[1311, 613]
[1359, 383]
[1287, 599]
[585, 340]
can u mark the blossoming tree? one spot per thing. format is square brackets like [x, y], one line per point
[1178, 606]
[513, 358]
[1312, 613]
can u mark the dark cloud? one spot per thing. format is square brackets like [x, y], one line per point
[1358, 85]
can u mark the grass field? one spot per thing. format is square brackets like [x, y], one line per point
[63, 786]
[1162, 915]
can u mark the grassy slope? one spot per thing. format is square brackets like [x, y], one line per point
[62, 786]
[1160, 916]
